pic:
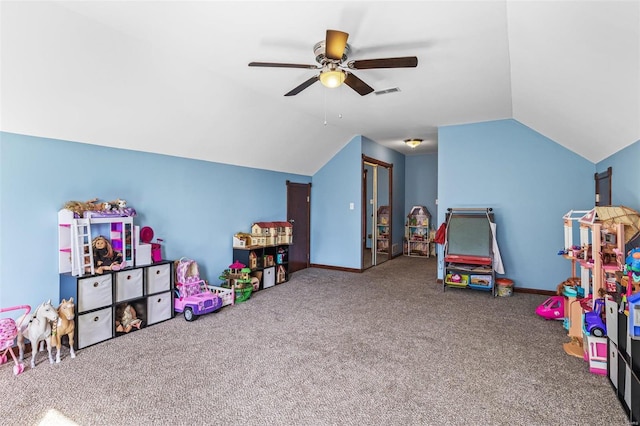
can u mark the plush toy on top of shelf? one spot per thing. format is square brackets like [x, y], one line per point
[95, 208]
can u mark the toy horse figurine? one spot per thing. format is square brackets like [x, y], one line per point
[66, 325]
[37, 327]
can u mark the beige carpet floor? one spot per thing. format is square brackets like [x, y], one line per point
[384, 347]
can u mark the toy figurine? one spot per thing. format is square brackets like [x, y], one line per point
[127, 319]
[104, 257]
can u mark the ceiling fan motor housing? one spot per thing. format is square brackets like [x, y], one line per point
[321, 58]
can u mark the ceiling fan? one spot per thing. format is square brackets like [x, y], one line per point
[331, 55]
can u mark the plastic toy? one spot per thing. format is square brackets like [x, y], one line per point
[552, 308]
[593, 322]
[8, 333]
[633, 302]
[37, 327]
[66, 325]
[193, 296]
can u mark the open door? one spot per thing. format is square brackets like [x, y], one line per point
[603, 188]
[377, 181]
[299, 215]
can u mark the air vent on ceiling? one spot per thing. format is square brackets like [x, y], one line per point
[387, 91]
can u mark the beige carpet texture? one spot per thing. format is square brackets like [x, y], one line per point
[383, 347]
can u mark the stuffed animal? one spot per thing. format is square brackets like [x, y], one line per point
[79, 207]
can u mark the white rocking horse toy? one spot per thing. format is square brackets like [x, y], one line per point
[37, 327]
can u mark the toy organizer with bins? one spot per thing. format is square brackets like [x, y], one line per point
[623, 361]
[269, 264]
[265, 252]
[98, 299]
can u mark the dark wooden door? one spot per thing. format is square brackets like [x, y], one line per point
[603, 188]
[299, 215]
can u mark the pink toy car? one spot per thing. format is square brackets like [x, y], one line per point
[552, 308]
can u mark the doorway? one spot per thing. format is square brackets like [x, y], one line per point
[377, 230]
[299, 215]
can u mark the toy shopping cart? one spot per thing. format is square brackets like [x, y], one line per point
[8, 333]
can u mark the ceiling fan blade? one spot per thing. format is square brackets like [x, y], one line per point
[303, 86]
[279, 65]
[358, 85]
[334, 45]
[402, 62]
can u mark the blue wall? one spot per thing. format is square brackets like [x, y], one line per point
[421, 187]
[194, 206]
[335, 228]
[625, 176]
[530, 182]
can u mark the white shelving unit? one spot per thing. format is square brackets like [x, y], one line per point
[75, 255]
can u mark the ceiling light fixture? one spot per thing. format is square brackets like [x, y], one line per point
[413, 142]
[331, 76]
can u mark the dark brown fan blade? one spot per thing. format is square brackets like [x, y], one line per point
[403, 62]
[279, 65]
[303, 86]
[334, 44]
[358, 85]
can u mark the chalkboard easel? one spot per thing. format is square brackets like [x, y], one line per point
[468, 252]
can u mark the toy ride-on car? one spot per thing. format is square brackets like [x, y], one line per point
[195, 298]
[552, 308]
[593, 321]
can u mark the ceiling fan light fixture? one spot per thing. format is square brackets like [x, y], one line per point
[332, 77]
[413, 142]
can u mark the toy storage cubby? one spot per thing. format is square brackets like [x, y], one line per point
[623, 361]
[468, 257]
[269, 264]
[417, 238]
[148, 289]
[383, 227]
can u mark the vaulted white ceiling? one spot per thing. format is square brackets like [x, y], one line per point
[172, 77]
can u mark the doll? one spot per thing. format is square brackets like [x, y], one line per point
[104, 257]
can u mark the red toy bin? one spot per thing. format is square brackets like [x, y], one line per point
[146, 235]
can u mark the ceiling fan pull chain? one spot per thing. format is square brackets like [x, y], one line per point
[324, 94]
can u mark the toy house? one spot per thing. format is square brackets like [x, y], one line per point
[265, 232]
[284, 232]
[417, 235]
[281, 275]
[419, 216]
[253, 260]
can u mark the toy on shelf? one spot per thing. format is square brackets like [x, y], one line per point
[237, 276]
[9, 330]
[105, 258]
[127, 319]
[65, 326]
[193, 295]
[36, 327]
[146, 237]
[99, 209]
[552, 308]
[593, 321]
